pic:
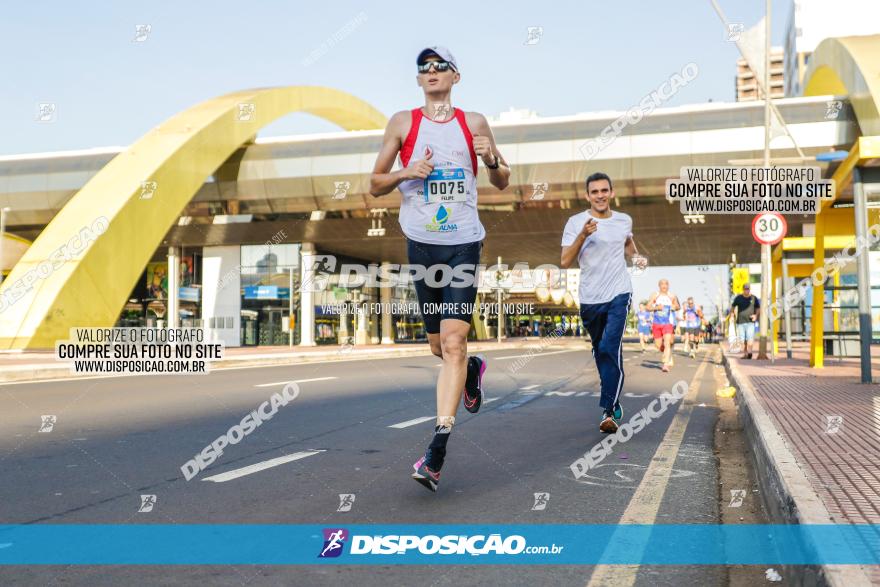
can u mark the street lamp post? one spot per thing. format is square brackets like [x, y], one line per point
[863, 270]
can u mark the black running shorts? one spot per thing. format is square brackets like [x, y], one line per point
[452, 301]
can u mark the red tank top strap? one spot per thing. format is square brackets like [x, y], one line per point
[410, 143]
[462, 122]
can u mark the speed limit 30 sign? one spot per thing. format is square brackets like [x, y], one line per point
[769, 228]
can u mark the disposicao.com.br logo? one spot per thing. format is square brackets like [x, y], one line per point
[451, 544]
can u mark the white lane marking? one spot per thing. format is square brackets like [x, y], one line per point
[536, 354]
[491, 399]
[409, 423]
[645, 502]
[349, 359]
[528, 387]
[295, 381]
[236, 473]
[63, 379]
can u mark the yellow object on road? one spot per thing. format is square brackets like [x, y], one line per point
[726, 392]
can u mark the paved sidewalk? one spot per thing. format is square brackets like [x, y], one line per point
[39, 365]
[820, 430]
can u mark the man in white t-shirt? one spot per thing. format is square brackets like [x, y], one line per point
[601, 239]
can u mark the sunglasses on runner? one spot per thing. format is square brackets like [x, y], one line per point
[439, 66]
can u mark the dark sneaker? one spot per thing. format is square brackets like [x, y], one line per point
[424, 475]
[608, 425]
[473, 385]
[618, 413]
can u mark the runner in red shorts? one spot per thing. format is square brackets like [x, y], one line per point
[665, 305]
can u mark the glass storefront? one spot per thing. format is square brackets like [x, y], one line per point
[407, 327]
[148, 303]
[268, 275]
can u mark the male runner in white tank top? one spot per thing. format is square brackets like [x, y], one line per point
[439, 147]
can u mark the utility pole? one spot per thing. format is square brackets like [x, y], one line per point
[499, 275]
[766, 269]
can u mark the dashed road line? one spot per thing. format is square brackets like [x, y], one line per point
[645, 502]
[412, 422]
[536, 354]
[295, 381]
[236, 473]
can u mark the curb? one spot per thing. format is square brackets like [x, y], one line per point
[49, 371]
[785, 489]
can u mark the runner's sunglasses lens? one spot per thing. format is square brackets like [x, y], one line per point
[438, 66]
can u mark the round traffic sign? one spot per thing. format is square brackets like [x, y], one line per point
[769, 228]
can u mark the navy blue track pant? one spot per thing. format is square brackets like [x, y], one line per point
[605, 322]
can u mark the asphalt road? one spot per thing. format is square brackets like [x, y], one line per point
[115, 439]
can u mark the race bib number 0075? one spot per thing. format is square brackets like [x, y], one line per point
[445, 185]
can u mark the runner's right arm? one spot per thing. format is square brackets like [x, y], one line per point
[570, 252]
[383, 180]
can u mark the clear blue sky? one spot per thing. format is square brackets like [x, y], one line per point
[109, 90]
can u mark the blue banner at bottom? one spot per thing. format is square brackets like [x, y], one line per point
[354, 544]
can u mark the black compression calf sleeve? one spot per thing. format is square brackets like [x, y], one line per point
[437, 449]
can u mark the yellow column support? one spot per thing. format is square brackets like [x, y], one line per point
[817, 325]
[81, 269]
[843, 66]
[777, 274]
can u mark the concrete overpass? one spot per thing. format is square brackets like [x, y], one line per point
[280, 182]
[216, 184]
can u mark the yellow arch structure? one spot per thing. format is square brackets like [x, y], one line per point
[81, 269]
[849, 66]
[14, 247]
[844, 66]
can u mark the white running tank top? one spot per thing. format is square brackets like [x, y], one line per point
[441, 210]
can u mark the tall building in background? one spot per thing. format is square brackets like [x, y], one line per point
[747, 86]
[812, 21]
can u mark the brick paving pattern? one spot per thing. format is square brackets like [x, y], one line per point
[831, 423]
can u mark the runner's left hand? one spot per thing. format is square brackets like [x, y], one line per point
[483, 149]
